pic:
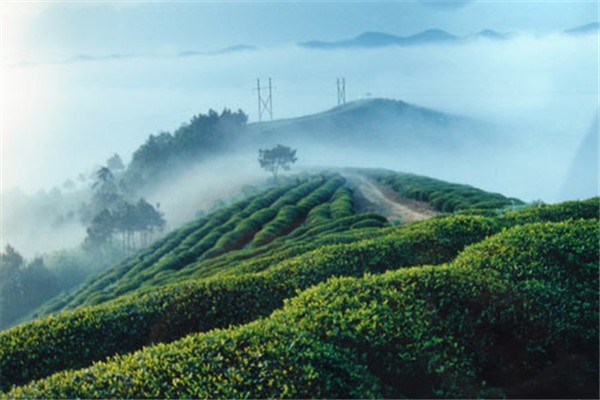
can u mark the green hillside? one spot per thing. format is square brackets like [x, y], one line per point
[292, 293]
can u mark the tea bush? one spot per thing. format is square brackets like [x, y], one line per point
[515, 314]
[471, 328]
[586, 209]
[268, 216]
[92, 333]
[442, 196]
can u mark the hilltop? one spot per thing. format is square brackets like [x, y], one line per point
[304, 290]
[388, 126]
[370, 121]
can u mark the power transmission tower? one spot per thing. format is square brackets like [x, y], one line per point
[265, 104]
[341, 91]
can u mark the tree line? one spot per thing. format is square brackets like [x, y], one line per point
[204, 136]
[23, 285]
[116, 220]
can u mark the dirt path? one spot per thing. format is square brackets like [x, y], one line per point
[374, 197]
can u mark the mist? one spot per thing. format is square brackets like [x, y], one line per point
[84, 111]
[199, 188]
[536, 95]
[42, 222]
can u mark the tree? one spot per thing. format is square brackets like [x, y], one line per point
[106, 192]
[115, 164]
[279, 157]
[23, 286]
[104, 176]
[204, 136]
[148, 220]
[106, 195]
[100, 230]
[127, 220]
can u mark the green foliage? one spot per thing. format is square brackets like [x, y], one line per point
[496, 316]
[172, 311]
[442, 196]
[503, 313]
[342, 205]
[588, 209]
[204, 136]
[552, 269]
[216, 234]
[510, 310]
[319, 215]
[287, 219]
[23, 285]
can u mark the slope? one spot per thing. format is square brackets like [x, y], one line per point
[339, 136]
[252, 228]
[418, 332]
[114, 314]
[375, 123]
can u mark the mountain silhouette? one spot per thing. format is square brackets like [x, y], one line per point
[380, 39]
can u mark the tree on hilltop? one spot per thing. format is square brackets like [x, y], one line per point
[279, 157]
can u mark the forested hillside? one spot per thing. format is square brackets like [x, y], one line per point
[295, 293]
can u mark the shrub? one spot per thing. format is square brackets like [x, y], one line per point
[342, 204]
[553, 268]
[319, 215]
[472, 328]
[587, 209]
[442, 196]
[164, 314]
[220, 232]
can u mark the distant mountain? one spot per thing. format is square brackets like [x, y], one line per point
[227, 50]
[588, 29]
[491, 34]
[89, 57]
[379, 39]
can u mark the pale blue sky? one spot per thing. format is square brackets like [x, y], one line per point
[53, 29]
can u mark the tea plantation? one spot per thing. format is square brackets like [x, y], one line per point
[292, 294]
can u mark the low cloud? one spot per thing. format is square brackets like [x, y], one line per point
[446, 4]
[71, 116]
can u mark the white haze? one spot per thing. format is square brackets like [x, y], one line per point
[70, 116]
[197, 188]
[46, 221]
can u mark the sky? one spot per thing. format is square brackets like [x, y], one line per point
[82, 80]
[51, 30]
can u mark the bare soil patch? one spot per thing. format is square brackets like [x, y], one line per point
[371, 196]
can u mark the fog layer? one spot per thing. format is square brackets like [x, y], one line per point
[539, 93]
[69, 116]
